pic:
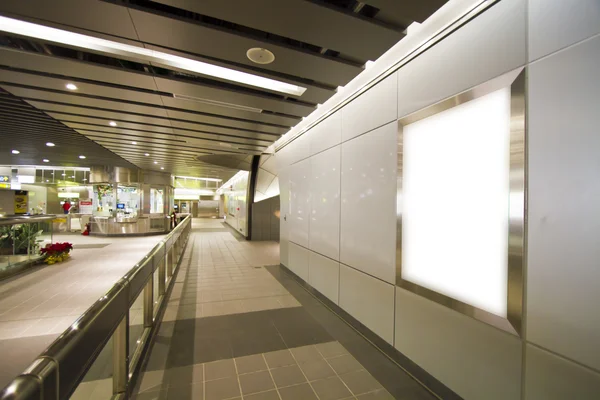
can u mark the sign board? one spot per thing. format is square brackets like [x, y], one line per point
[20, 202]
[4, 178]
[85, 206]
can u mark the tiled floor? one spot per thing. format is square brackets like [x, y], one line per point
[235, 329]
[36, 307]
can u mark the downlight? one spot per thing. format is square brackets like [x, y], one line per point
[260, 56]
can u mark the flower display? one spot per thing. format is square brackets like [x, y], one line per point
[56, 252]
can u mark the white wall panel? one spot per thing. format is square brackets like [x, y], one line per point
[369, 300]
[326, 134]
[491, 44]
[298, 260]
[372, 109]
[284, 220]
[324, 235]
[564, 194]
[549, 377]
[473, 359]
[556, 24]
[368, 207]
[299, 217]
[269, 163]
[299, 149]
[324, 275]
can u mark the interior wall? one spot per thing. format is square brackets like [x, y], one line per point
[338, 206]
[7, 201]
[265, 219]
[267, 182]
[236, 198]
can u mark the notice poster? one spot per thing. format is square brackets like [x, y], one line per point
[85, 206]
[20, 202]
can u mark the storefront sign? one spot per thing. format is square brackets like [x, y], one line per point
[85, 206]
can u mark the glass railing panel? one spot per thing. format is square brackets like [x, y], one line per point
[98, 381]
[136, 323]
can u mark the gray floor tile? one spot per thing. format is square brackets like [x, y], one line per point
[219, 369]
[331, 389]
[279, 358]
[185, 376]
[154, 395]
[287, 376]
[331, 349]
[270, 395]
[298, 392]
[256, 382]
[381, 394]
[222, 389]
[360, 382]
[186, 392]
[250, 364]
[319, 369]
[344, 364]
[306, 354]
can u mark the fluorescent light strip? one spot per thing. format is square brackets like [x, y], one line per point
[78, 40]
[198, 179]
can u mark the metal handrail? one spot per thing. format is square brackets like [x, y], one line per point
[56, 373]
[25, 219]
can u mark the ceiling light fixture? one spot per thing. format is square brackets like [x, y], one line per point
[133, 142]
[104, 46]
[71, 86]
[82, 157]
[112, 123]
[162, 167]
[50, 144]
[45, 160]
[217, 103]
[146, 154]
[260, 56]
[155, 162]
[15, 151]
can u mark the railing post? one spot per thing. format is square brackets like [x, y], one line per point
[121, 357]
[169, 262]
[161, 277]
[149, 302]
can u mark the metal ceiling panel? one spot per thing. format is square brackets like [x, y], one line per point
[205, 92]
[121, 116]
[202, 40]
[189, 105]
[179, 135]
[75, 69]
[91, 15]
[71, 120]
[33, 94]
[84, 88]
[328, 28]
[397, 11]
[26, 129]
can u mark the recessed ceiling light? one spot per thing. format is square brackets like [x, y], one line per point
[15, 151]
[112, 123]
[47, 180]
[162, 167]
[45, 160]
[71, 86]
[260, 56]
[104, 46]
[133, 142]
[82, 157]
[155, 162]
[63, 174]
[146, 154]
[50, 144]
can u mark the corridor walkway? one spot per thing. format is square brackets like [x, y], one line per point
[237, 326]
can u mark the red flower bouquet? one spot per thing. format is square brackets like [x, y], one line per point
[56, 252]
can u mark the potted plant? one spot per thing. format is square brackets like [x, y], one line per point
[56, 252]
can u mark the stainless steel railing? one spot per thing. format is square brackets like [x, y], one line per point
[58, 371]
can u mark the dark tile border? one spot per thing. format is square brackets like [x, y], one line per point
[419, 374]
